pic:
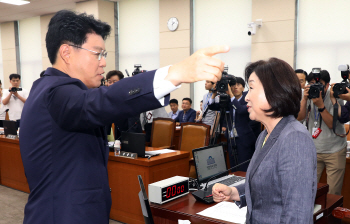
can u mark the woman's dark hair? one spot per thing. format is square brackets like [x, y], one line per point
[281, 86]
[113, 73]
[67, 27]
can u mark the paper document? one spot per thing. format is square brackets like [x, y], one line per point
[161, 151]
[184, 221]
[227, 211]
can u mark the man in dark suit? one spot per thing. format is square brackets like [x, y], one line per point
[240, 136]
[63, 138]
[187, 114]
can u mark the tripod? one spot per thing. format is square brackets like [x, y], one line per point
[224, 101]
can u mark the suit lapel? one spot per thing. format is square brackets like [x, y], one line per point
[262, 152]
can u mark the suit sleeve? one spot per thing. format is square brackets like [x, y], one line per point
[241, 191]
[192, 116]
[177, 119]
[240, 108]
[297, 174]
[75, 108]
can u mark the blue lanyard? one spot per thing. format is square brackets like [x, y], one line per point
[207, 101]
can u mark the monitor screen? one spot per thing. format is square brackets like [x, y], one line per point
[209, 161]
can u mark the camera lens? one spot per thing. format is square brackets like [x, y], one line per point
[221, 86]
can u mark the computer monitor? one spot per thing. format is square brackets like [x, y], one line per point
[209, 161]
[133, 142]
[10, 127]
[146, 209]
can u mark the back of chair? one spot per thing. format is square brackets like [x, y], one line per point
[346, 131]
[194, 135]
[163, 130]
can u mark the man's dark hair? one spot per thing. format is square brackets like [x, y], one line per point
[201, 101]
[42, 73]
[113, 73]
[240, 81]
[324, 76]
[67, 27]
[14, 76]
[281, 86]
[188, 99]
[301, 71]
[174, 101]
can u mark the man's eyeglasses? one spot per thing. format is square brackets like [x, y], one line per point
[103, 53]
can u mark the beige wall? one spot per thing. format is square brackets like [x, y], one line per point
[44, 22]
[276, 36]
[175, 46]
[8, 51]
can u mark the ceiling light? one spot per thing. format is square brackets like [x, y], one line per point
[15, 2]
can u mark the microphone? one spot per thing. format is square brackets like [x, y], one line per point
[136, 122]
[204, 195]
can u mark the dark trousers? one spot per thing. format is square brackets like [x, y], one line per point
[243, 149]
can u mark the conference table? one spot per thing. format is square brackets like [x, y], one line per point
[122, 174]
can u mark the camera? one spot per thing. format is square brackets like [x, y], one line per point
[137, 70]
[226, 79]
[14, 89]
[315, 89]
[340, 88]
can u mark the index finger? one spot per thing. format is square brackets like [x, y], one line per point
[213, 50]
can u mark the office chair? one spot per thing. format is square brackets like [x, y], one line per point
[163, 130]
[193, 136]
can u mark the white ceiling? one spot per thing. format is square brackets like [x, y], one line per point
[34, 8]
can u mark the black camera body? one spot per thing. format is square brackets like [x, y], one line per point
[15, 89]
[340, 88]
[226, 79]
[315, 89]
[137, 70]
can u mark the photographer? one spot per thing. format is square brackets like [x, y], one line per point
[330, 148]
[15, 98]
[240, 137]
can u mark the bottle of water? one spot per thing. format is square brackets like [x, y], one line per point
[116, 148]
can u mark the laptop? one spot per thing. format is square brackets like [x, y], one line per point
[210, 161]
[135, 143]
[10, 127]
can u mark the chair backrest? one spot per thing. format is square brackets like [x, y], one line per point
[193, 136]
[346, 131]
[163, 130]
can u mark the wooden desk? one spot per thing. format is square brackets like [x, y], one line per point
[122, 174]
[187, 207]
[11, 166]
[346, 183]
[124, 183]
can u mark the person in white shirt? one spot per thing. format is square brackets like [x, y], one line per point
[174, 106]
[15, 98]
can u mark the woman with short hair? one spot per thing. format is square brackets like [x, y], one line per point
[281, 179]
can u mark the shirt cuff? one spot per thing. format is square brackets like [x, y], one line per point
[232, 98]
[161, 86]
